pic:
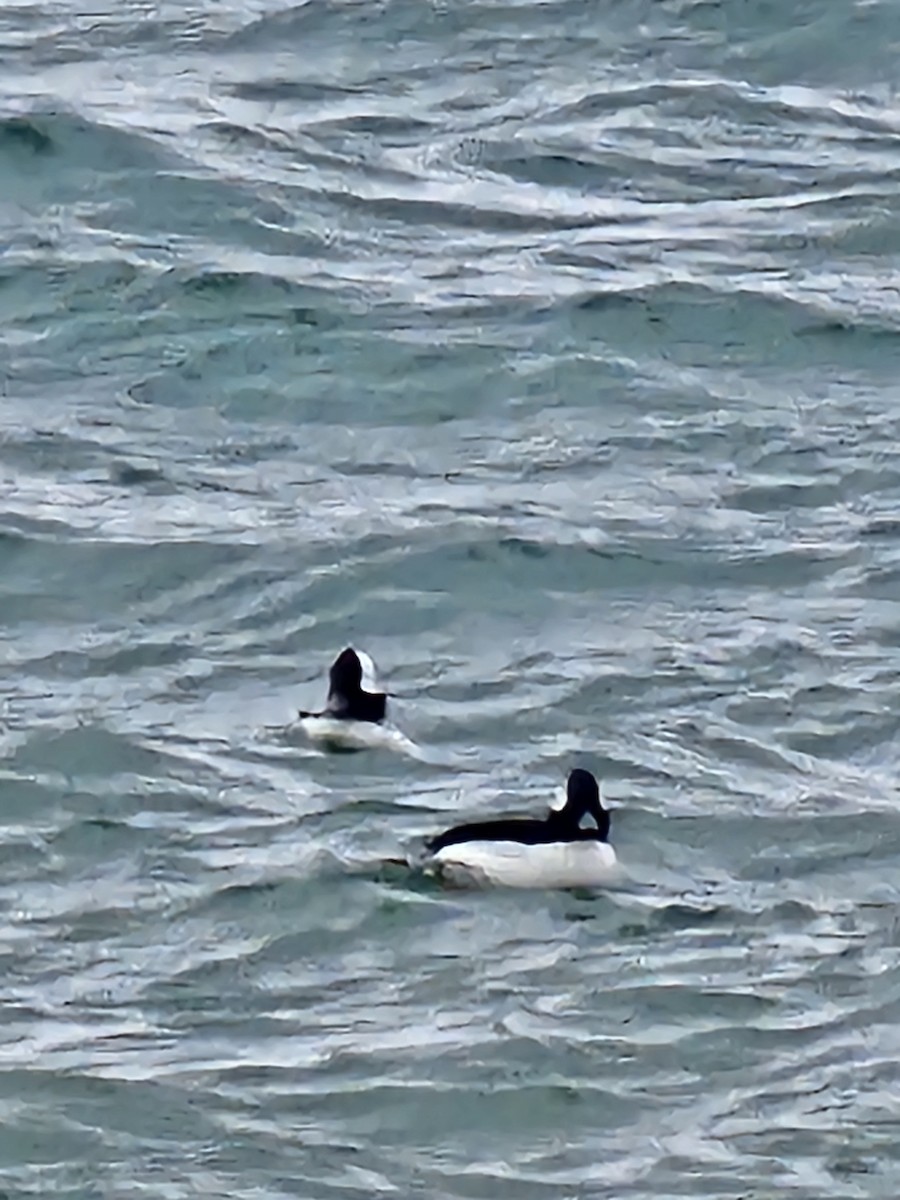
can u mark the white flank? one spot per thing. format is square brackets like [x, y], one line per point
[512, 864]
[354, 735]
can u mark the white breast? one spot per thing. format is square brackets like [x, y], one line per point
[342, 735]
[333, 734]
[512, 864]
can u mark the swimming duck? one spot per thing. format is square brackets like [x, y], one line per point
[354, 707]
[526, 852]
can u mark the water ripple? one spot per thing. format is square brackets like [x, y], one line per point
[551, 355]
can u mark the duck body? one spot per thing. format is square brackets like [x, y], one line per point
[527, 853]
[354, 707]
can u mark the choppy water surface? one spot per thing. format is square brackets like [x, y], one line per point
[549, 351]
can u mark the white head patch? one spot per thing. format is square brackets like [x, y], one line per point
[369, 677]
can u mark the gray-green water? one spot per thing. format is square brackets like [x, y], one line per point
[550, 352]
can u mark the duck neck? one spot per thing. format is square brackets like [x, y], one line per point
[562, 822]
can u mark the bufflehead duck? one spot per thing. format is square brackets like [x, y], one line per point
[352, 694]
[524, 852]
